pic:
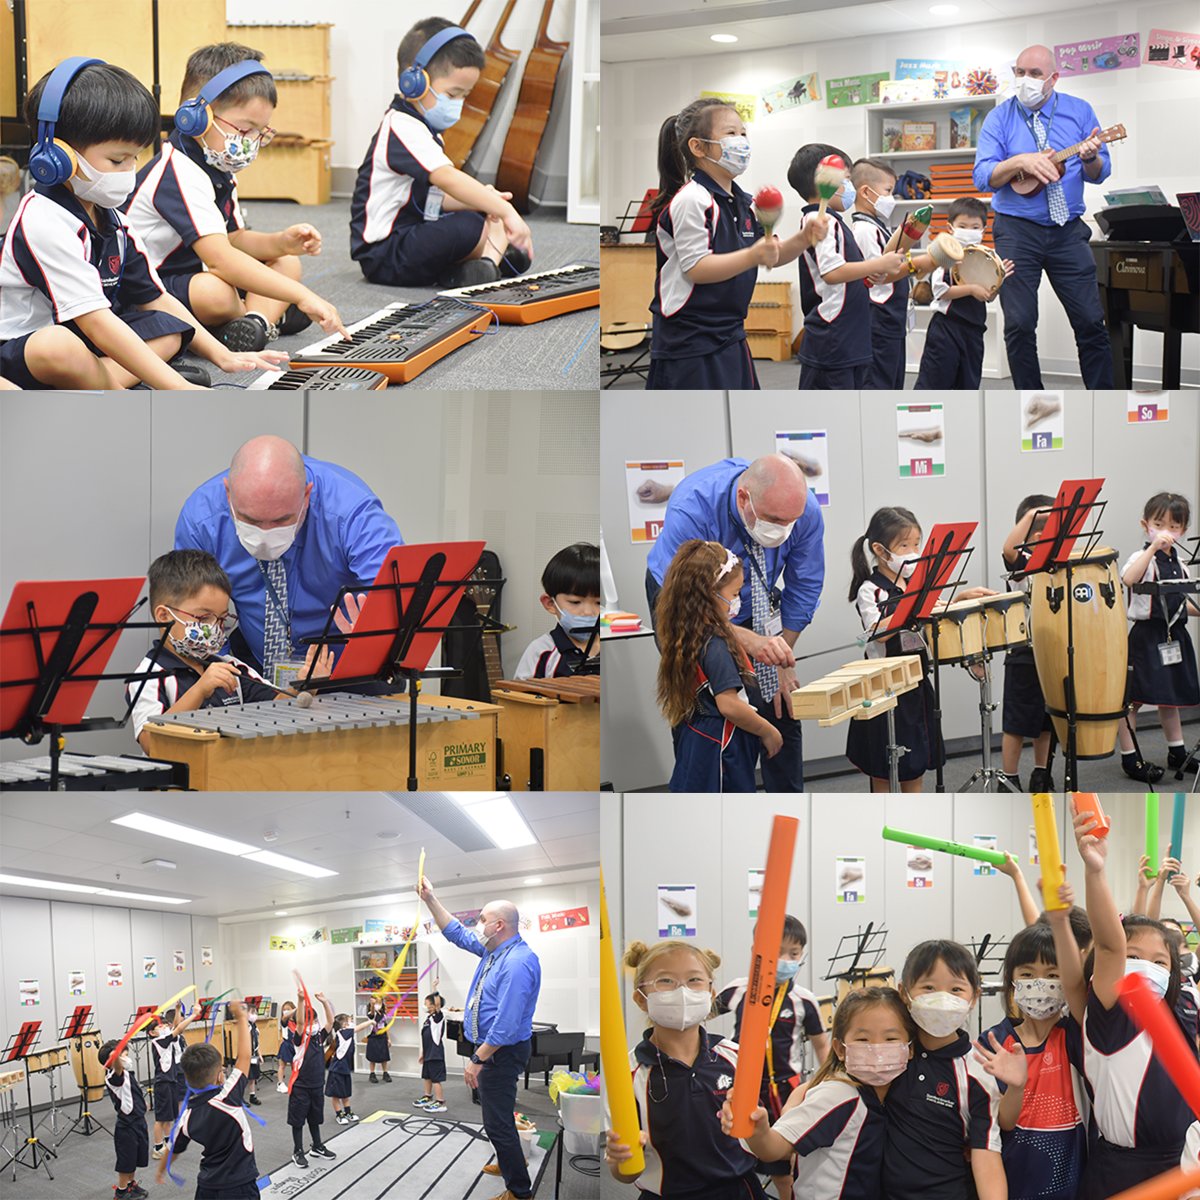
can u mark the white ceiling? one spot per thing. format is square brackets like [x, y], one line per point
[631, 30]
[69, 837]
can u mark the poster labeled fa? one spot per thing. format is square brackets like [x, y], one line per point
[676, 910]
[918, 869]
[850, 880]
[1043, 421]
[985, 841]
[648, 487]
[921, 440]
[809, 450]
[1147, 408]
[754, 889]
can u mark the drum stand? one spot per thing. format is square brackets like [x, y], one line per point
[895, 753]
[52, 1114]
[85, 1123]
[993, 779]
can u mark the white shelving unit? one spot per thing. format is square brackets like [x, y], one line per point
[405, 1035]
[995, 360]
[583, 158]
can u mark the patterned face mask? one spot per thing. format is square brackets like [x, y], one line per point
[201, 639]
[1039, 998]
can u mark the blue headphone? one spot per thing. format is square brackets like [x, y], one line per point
[52, 162]
[194, 117]
[414, 82]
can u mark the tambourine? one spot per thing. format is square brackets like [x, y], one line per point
[980, 265]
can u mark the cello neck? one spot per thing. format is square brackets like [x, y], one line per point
[494, 44]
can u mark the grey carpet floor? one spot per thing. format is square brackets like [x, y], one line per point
[84, 1167]
[561, 353]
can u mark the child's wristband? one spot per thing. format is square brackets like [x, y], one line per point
[912, 266]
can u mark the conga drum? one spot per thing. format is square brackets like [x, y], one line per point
[1101, 648]
[85, 1055]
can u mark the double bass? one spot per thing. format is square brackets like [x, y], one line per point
[532, 111]
[461, 137]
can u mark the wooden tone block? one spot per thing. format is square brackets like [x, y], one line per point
[857, 686]
[301, 49]
[289, 169]
[822, 698]
[913, 670]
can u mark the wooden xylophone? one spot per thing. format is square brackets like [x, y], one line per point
[860, 690]
[342, 379]
[550, 731]
[342, 742]
[91, 773]
[401, 340]
[531, 298]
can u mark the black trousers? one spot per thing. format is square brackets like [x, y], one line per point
[498, 1097]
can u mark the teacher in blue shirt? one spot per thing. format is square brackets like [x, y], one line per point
[290, 532]
[1045, 232]
[764, 513]
[498, 1019]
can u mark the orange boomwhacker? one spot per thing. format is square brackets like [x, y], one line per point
[1151, 1015]
[760, 988]
[1170, 1186]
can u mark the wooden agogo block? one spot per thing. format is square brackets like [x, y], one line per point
[913, 670]
[822, 698]
[862, 685]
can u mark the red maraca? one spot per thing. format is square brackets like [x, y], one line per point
[830, 173]
[768, 207]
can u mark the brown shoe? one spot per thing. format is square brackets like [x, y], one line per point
[505, 1195]
[492, 1169]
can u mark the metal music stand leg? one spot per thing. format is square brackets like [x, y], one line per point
[939, 746]
[895, 753]
[39, 1153]
[52, 1114]
[993, 780]
[85, 1123]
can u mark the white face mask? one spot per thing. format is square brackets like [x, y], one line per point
[767, 533]
[1039, 998]
[884, 206]
[735, 152]
[903, 566]
[939, 1013]
[1159, 978]
[1031, 92]
[267, 544]
[1187, 964]
[680, 1009]
[735, 606]
[107, 189]
[968, 237]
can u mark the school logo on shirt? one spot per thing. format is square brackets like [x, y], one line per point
[724, 1082]
[943, 1089]
[114, 263]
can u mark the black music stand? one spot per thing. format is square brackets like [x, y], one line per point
[94, 615]
[989, 955]
[20, 1046]
[397, 657]
[590, 663]
[869, 943]
[79, 1025]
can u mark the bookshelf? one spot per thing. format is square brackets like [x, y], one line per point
[371, 963]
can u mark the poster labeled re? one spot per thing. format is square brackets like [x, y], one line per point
[648, 487]
[676, 910]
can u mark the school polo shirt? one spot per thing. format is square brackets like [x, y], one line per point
[310, 1063]
[839, 1132]
[179, 199]
[56, 264]
[393, 188]
[970, 310]
[798, 1019]
[889, 301]
[550, 656]
[1136, 1104]
[218, 1121]
[679, 1107]
[703, 506]
[692, 319]
[837, 322]
[943, 1106]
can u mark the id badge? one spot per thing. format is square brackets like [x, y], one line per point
[774, 624]
[1170, 653]
[433, 204]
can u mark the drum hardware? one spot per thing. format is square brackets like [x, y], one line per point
[993, 779]
[48, 1062]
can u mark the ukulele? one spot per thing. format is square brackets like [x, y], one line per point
[460, 138]
[532, 111]
[1027, 185]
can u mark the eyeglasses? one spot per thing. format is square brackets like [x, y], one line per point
[664, 983]
[263, 136]
[227, 623]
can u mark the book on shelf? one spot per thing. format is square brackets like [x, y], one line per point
[919, 135]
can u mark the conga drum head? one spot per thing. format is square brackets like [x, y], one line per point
[980, 265]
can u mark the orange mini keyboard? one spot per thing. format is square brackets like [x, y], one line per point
[531, 298]
[317, 379]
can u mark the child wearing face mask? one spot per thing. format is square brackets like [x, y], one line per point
[190, 591]
[287, 1050]
[1189, 959]
[166, 1048]
[131, 1139]
[838, 1126]
[1162, 661]
[571, 594]
[1044, 1108]
[837, 349]
[706, 685]
[795, 1022]
[243, 283]
[943, 1129]
[81, 303]
[681, 1076]
[416, 219]
[710, 246]
[1140, 1115]
[952, 357]
[379, 1046]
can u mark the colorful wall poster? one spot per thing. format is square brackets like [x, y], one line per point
[809, 450]
[745, 105]
[921, 440]
[206, 956]
[1146, 408]
[925, 68]
[985, 841]
[563, 918]
[315, 937]
[349, 934]
[282, 943]
[918, 868]
[791, 93]
[1098, 55]
[29, 992]
[114, 975]
[754, 887]
[178, 961]
[850, 879]
[76, 983]
[853, 89]
[149, 966]
[1170, 48]
[1043, 420]
[648, 486]
[676, 910]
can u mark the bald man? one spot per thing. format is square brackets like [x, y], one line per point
[763, 512]
[1045, 232]
[290, 532]
[498, 1020]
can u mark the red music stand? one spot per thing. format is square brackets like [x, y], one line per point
[20, 1047]
[1064, 524]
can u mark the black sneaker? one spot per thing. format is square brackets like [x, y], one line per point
[1040, 780]
[136, 1191]
[469, 274]
[299, 1159]
[1015, 781]
[245, 334]
[386, 1077]
[1177, 756]
[294, 321]
[322, 1151]
[372, 1079]
[253, 1098]
[193, 372]
[1139, 769]
[514, 262]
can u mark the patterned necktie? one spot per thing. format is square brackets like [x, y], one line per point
[760, 610]
[473, 1003]
[1054, 191]
[277, 644]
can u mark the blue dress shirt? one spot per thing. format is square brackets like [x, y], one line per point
[512, 978]
[1008, 130]
[344, 539]
[703, 506]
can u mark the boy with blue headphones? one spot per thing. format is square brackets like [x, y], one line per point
[416, 219]
[242, 283]
[81, 306]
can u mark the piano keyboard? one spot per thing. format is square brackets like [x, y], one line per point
[92, 772]
[401, 340]
[344, 379]
[531, 298]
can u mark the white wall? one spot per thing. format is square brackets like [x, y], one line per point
[1154, 104]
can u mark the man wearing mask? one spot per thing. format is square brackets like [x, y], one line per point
[498, 1020]
[290, 532]
[763, 512]
[1045, 232]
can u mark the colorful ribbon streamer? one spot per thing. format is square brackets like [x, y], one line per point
[391, 1013]
[212, 1028]
[142, 1022]
[309, 1014]
[393, 975]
